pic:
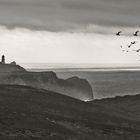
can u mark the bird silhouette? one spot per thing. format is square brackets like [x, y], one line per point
[125, 51]
[134, 42]
[118, 34]
[137, 50]
[129, 45]
[136, 33]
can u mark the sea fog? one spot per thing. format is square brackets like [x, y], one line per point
[107, 81]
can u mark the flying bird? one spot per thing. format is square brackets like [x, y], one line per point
[118, 34]
[125, 51]
[129, 45]
[136, 33]
[134, 42]
[137, 50]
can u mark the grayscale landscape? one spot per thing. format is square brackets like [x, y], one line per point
[69, 70]
[41, 105]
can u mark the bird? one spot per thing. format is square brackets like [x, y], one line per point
[129, 45]
[136, 33]
[134, 42]
[125, 51]
[137, 50]
[118, 34]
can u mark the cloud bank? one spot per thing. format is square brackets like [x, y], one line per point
[68, 31]
[24, 45]
[65, 15]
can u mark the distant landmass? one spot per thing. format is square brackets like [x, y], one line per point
[75, 87]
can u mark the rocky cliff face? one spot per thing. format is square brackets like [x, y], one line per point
[73, 87]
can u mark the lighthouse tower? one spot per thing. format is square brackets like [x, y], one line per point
[3, 59]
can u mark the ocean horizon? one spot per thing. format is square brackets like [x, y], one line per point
[80, 67]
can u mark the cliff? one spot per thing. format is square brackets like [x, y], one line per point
[10, 68]
[73, 87]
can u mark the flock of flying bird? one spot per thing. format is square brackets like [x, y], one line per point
[131, 43]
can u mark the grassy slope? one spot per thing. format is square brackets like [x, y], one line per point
[128, 104]
[28, 113]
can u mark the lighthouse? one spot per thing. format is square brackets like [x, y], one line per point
[3, 59]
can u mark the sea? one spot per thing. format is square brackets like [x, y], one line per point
[106, 80]
[80, 67]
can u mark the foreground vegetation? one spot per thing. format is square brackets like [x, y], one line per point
[27, 113]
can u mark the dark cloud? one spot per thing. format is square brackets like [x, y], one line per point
[62, 15]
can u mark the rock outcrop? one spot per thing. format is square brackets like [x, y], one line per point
[73, 87]
[11, 68]
[82, 84]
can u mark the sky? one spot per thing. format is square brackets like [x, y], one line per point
[69, 31]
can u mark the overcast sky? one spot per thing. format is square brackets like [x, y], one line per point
[68, 31]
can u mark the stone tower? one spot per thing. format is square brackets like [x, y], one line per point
[3, 59]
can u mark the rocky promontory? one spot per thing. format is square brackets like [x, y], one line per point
[10, 68]
[75, 87]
